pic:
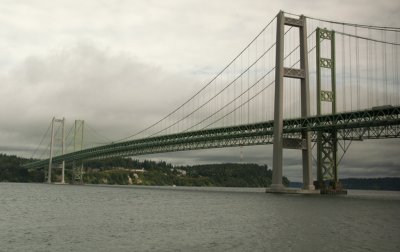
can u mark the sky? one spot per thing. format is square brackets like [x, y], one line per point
[121, 65]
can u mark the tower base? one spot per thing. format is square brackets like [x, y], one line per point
[285, 190]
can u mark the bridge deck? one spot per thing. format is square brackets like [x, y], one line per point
[367, 124]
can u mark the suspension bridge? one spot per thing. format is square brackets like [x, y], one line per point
[302, 83]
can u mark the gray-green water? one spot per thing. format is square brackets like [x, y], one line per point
[40, 217]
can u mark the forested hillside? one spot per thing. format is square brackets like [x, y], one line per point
[147, 172]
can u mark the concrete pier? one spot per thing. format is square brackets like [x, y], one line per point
[286, 190]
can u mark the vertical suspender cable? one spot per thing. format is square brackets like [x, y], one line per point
[358, 70]
[248, 89]
[41, 141]
[255, 118]
[397, 69]
[344, 70]
[392, 75]
[234, 93]
[376, 94]
[368, 70]
[384, 68]
[351, 77]
[241, 89]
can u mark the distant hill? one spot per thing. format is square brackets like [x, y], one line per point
[386, 184]
[132, 171]
[295, 184]
[232, 174]
[12, 171]
[127, 171]
[121, 171]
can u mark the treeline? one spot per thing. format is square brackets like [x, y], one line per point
[11, 170]
[106, 164]
[116, 171]
[125, 171]
[387, 184]
[230, 175]
[121, 171]
[132, 171]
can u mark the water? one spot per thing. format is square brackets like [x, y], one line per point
[40, 217]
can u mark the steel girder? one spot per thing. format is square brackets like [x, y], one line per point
[367, 124]
[327, 143]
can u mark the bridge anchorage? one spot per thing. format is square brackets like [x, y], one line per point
[220, 115]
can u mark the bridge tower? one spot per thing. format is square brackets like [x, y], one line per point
[327, 141]
[282, 72]
[53, 140]
[77, 168]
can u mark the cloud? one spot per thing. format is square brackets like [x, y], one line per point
[114, 92]
[122, 65]
[117, 94]
[372, 158]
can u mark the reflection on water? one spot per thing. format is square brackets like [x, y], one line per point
[40, 217]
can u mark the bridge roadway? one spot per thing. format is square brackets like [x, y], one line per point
[381, 122]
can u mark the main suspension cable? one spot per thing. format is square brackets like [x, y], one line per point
[41, 141]
[203, 88]
[374, 27]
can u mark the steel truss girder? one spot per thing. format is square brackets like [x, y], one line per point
[327, 156]
[367, 124]
[77, 172]
[327, 144]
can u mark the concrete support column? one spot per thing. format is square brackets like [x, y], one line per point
[63, 152]
[302, 74]
[51, 151]
[278, 114]
[305, 107]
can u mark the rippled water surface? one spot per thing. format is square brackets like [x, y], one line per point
[41, 217]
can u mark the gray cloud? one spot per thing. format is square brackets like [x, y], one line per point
[122, 65]
[84, 82]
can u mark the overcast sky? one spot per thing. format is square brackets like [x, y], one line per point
[122, 64]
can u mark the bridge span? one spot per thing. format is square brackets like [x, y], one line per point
[368, 124]
[270, 94]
